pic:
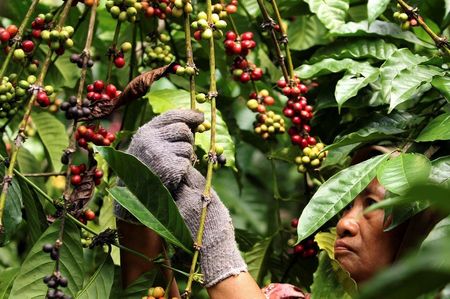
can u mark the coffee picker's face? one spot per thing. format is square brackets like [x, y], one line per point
[362, 248]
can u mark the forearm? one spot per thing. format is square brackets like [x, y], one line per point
[241, 286]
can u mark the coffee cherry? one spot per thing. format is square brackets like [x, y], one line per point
[27, 46]
[47, 248]
[75, 180]
[89, 214]
[119, 62]
[294, 222]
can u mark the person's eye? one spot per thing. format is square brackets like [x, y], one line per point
[348, 207]
[370, 201]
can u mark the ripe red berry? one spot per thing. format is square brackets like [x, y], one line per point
[269, 101]
[286, 90]
[294, 222]
[245, 77]
[231, 9]
[82, 142]
[82, 167]
[296, 139]
[39, 22]
[230, 35]
[304, 143]
[99, 85]
[119, 62]
[281, 83]
[82, 130]
[27, 46]
[236, 49]
[288, 112]
[4, 36]
[75, 180]
[36, 33]
[111, 137]
[98, 139]
[198, 35]
[247, 35]
[98, 174]
[90, 87]
[89, 214]
[311, 140]
[298, 249]
[12, 29]
[257, 74]
[111, 90]
[74, 169]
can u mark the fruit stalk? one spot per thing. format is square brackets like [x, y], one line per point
[284, 38]
[269, 25]
[189, 57]
[18, 36]
[113, 48]
[440, 41]
[20, 138]
[212, 153]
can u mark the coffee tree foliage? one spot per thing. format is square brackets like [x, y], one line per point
[373, 83]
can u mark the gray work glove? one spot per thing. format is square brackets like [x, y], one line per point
[165, 146]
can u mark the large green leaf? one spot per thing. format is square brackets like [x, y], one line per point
[375, 8]
[400, 173]
[151, 194]
[336, 193]
[377, 28]
[356, 49]
[440, 171]
[53, 135]
[351, 83]
[327, 283]
[381, 126]
[100, 283]
[326, 240]
[167, 99]
[443, 85]
[257, 257]
[331, 13]
[406, 84]
[400, 60]
[330, 65]
[6, 280]
[437, 129]
[416, 274]
[305, 32]
[12, 215]
[132, 204]
[139, 288]
[37, 264]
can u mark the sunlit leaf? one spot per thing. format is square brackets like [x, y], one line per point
[6, 280]
[376, 8]
[437, 129]
[402, 172]
[336, 193]
[443, 85]
[305, 32]
[331, 13]
[330, 65]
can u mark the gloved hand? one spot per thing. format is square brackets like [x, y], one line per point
[165, 145]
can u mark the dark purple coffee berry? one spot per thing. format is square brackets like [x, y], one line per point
[52, 283]
[74, 58]
[51, 294]
[73, 100]
[59, 294]
[54, 255]
[86, 103]
[222, 160]
[64, 106]
[90, 63]
[86, 111]
[47, 247]
[63, 282]
[47, 279]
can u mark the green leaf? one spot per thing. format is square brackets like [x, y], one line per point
[132, 204]
[375, 8]
[37, 264]
[418, 273]
[330, 65]
[6, 280]
[351, 83]
[380, 127]
[100, 283]
[328, 280]
[166, 99]
[400, 60]
[149, 193]
[139, 288]
[326, 240]
[378, 28]
[443, 85]
[12, 215]
[356, 49]
[400, 173]
[336, 193]
[257, 258]
[408, 81]
[331, 13]
[437, 129]
[53, 135]
[440, 171]
[306, 32]
[447, 8]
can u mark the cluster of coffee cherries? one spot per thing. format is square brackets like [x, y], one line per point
[219, 159]
[231, 8]
[58, 40]
[180, 7]
[43, 95]
[268, 124]
[306, 248]
[239, 45]
[77, 172]
[244, 70]
[81, 59]
[205, 30]
[156, 293]
[157, 51]
[7, 34]
[53, 283]
[187, 71]
[72, 111]
[97, 135]
[86, 239]
[157, 8]
[311, 157]
[124, 10]
[41, 22]
[9, 100]
[98, 91]
[407, 20]
[118, 55]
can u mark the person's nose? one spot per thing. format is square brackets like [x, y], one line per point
[348, 225]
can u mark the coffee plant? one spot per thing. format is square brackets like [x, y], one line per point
[290, 90]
